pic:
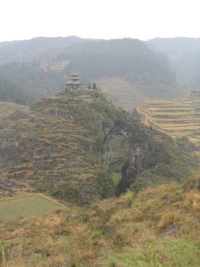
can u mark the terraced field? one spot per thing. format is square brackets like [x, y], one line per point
[29, 206]
[178, 118]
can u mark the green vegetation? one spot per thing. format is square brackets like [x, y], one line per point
[29, 206]
[176, 253]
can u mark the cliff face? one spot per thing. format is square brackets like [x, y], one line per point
[70, 144]
[150, 157]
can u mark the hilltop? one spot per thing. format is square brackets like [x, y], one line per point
[126, 69]
[79, 147]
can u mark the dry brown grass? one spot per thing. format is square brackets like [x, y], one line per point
[192, 202]
[167, 220]
[53, 221]
[96, 235]
[192, 182]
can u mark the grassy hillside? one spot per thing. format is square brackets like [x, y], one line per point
[79, 147]
[156, 227]
[55, 146]
[7, 108]
[178, 118]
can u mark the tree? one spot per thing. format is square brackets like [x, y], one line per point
[94, 86]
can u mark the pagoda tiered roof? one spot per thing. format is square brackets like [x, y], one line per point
[74, 82]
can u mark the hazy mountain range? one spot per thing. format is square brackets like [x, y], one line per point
[129, 71]
[184, 58]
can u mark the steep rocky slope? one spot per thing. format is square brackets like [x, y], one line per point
[74, 144]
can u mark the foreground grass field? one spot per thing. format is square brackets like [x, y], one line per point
[156, 227]
[29, 206]
[178, 118]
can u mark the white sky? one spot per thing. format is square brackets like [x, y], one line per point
[104, 19]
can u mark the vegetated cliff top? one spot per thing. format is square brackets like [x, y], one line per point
[78, 146]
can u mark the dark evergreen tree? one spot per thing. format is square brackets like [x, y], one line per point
[94, 86]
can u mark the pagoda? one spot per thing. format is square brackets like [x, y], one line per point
[74, 82]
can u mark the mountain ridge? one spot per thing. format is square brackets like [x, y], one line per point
[144, 71]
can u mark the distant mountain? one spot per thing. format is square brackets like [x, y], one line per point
[145, 73]
[184, 58]
[126, 69]
[30, 50]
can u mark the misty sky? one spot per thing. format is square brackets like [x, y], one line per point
[104, 19]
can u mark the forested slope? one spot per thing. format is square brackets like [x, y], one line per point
[44, 65]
